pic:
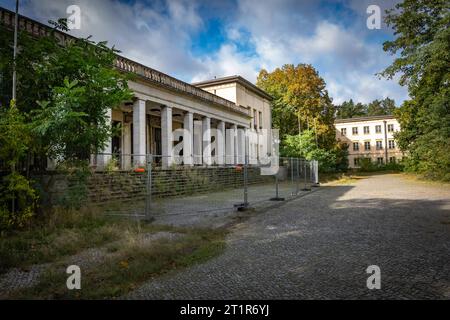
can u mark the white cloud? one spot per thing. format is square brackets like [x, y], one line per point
[279, 31]
[156, 36]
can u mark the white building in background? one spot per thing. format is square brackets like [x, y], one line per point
[214, 115]
[369, 137]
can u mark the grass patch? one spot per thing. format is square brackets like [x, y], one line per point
[61, 233]
[133, 263]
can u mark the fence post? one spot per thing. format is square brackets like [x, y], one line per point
[277, 198]
[304, 171]
[245, 205]
[292, 174]
[316, 174]
[297, 188]
[148, 198]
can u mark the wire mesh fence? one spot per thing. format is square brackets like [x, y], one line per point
[152, 186]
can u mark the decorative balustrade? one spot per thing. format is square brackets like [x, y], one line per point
[38, 29]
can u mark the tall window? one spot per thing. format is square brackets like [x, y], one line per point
[260, 118]
[380, 160]
[366, 130]
[355, 130]
[367, 145]
[356, 161]
[343, 131]
[378, 129]
[355, 146]
[392, 159]
[391, 144]
[390, 128]
[255, 120]
[379, 144]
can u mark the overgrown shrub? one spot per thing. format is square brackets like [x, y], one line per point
[17, 201]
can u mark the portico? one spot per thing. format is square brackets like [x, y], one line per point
[176, 128]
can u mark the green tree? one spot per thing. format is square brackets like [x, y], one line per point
[348, 109]
[17, 197]
[64, 91]
[422, 46]
[304, 146]
[381, 107]
[301, 102]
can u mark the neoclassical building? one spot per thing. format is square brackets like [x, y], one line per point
[369, 137]
[177, 122]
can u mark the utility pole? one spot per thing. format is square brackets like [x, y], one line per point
[16, 30]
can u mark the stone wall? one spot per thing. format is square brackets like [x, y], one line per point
[122, 185]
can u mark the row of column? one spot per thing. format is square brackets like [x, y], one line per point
[197, 149]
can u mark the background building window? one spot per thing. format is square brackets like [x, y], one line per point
[390, 128]
[379, 144]
[255, 120]
[392, 159]
[355, 146]
[355, 130]
[391, 144]
[367, 145]
[366, 130]
[380, 160]
[356, 161]
[378, 129]
[343, 131]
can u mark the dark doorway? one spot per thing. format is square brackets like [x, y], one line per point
[158, 146]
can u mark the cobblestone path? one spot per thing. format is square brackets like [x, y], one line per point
[319, 246]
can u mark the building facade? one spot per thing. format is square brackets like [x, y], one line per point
[369, 137]
[257, 102]
[175, 121]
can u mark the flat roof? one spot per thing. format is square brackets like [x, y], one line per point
[368, 118]
[231, 79]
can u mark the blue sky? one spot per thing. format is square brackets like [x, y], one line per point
[197, 40]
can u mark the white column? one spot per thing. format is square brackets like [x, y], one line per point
[198, 133]
[105, 155]
[229, 140]
[126, 149]
[139, 121]
[234, 128]
[206, 133]
[188, 138]
[241, 146]
[166, 136]
[220, 143]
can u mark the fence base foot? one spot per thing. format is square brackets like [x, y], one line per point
[243, 206]
[277, 199]
[315, 185]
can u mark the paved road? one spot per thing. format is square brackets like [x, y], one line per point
[319, 246]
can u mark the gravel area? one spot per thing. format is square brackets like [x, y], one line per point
[319, 246]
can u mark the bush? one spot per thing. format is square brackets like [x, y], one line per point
[367, 165]
[17, 201]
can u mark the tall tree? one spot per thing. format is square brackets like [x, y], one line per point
[64, 91]
[348, 109]
[422, 46]
[301, 101]
[381, 107]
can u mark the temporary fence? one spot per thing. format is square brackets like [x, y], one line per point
[151, 186]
